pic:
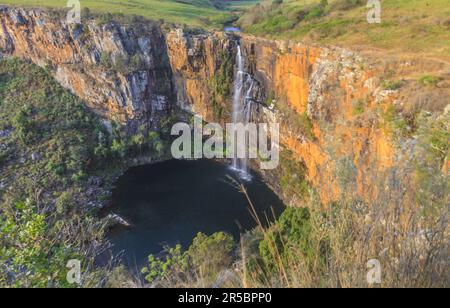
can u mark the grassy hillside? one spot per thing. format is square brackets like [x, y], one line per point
[47, 161]
[191, 12]
[407, 25]
[415, 26]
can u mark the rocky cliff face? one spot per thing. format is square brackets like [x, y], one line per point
[341, 114]
[197, 61]
[123, 73]
[330, 103]
[314, 92]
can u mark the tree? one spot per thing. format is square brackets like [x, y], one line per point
[22, 124]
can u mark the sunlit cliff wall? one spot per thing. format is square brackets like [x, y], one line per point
[329, 102]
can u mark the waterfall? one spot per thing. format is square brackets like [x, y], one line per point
[241, 109]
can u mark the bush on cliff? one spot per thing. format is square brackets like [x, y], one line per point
[198, 266]
[48, 139]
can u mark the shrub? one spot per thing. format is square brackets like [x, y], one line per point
[345, 5]
[315, 12]
[23, 124]
[119, 148]
[211, 254]
[392, 85]
[292, 177]
[429, 81]
[200, 265]
[105, 60]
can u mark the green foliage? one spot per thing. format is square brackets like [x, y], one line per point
[292, 176]
[298, 121]
[430, 160]
[289, 238]
[306, 125]
[105, 19]
[434, 137]
[175, 261]
[46, 161]
[315, 12]
[211, 254]
[105, 60]
[345, 5]
[22, 123]
[122, 63]
[403, 125]
[429, 81]
[221, 85]
[29, 252]
[151, 143]
[358, 107]
[392, 85]
[204, 260]
[119, 148]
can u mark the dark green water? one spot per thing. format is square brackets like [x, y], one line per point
[170, 202]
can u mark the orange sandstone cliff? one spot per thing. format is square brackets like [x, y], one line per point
[333, 105]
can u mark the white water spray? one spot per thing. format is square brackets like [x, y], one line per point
[241, 109]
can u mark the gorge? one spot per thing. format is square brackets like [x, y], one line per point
[355, 129]
[311, 91]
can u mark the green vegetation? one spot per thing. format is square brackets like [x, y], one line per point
[57, 167]
[407, 25]
[221, 85]
[205, 259]
[201, 13]
[289, 238]
[359, 107]
[292, 178]
[300, 122]
[400, 123]
[47, 156]
[429, 81]
[392, 85]
[122, 64]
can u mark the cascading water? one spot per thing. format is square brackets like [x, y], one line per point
[241, 109]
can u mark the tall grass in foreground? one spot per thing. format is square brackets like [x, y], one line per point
[404, 225]
[412, 247]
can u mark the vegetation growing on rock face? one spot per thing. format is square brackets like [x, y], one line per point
[55, 174]
[44, 207]
[300, 123]
[221, 86]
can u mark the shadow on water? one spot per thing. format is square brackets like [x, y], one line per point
[170, 202]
